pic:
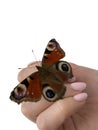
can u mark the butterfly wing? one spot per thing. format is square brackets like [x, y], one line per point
[53, 53]
[28, 90]
[53, 84]
[53, 90]
[58, 71]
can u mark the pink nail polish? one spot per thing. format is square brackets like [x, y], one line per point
[81, 97]
[78, 86]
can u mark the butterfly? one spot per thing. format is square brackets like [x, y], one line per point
[48, 81]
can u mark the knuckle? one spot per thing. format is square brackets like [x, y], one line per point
[60, 106]
[23, 109]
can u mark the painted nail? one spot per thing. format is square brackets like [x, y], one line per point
[81, 97]
[78, 86]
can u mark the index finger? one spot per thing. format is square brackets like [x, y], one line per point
[31, 68]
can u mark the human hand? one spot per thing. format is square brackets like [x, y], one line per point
[66, 113]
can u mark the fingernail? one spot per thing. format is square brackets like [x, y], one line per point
[81, 97]
[78, 86]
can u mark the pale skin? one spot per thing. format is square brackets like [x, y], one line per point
[76, 111]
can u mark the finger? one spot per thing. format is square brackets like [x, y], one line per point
[31, 109]
[74, 88]
[27, 71]
[84, 73]
[53, 117]
[89, 76]
[34, 63]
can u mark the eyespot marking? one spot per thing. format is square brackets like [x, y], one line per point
[63, 66]
[20, 91]
[49, 93]
[51, 46]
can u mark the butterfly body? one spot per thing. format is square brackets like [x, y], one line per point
[48, 80]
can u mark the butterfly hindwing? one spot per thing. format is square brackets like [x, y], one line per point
[53, 84]
[53, 91]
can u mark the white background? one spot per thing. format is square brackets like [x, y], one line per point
[30, 24]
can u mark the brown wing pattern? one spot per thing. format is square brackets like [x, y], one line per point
[28, 90]
[53, 53]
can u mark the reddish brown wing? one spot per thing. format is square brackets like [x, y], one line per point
[44, 81]
[53, 90]
[28, 90]
[53, 53]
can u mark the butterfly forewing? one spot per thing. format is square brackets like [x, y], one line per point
[53, 53]
[28, 90]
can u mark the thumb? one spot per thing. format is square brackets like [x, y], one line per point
[54, 116]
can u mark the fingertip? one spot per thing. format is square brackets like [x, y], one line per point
[81, 97]
[78, 86]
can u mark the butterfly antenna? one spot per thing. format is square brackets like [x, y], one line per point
[22, 68]
[19, 68]
[35, 58]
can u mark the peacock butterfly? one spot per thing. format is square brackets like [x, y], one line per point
[48, 80]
